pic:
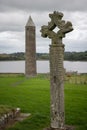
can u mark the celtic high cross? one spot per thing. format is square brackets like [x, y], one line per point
[56, 67]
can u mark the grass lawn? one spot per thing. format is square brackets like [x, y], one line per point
[33, 96]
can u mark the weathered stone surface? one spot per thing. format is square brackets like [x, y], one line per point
[30, 39]
[57, 86]
[56, 22]
[56, 67]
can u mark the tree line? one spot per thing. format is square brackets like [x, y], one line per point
[71, 56]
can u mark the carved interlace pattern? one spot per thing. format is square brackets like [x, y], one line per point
[56, 21]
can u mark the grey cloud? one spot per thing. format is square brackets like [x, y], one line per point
[12, 21]
[11, 28]
[43, 5]
[16, 13]
[6, 47]
[75, 45]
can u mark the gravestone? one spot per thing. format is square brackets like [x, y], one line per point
[56, 66]
[30, 39]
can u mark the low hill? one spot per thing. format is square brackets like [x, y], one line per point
[70, 56]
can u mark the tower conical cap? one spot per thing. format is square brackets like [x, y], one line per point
[30, 22]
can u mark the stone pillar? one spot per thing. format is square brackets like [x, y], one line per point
[57, 86]
[30, 39]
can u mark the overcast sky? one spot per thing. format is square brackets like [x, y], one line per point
[15, 13]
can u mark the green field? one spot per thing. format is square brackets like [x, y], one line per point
[33, 96]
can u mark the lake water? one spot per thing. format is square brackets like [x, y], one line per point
[42, 66]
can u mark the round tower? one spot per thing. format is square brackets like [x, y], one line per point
[30, 41]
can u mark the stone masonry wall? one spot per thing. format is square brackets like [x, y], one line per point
[30, 68]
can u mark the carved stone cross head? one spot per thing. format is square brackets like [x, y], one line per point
[56, 22]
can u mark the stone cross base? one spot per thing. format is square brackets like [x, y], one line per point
[67, 127]
[53, 129]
